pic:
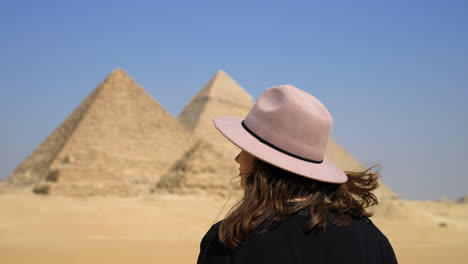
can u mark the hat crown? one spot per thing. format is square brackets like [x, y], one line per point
[292, 120]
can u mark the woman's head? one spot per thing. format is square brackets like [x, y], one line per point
[268, 189]
[289, 128]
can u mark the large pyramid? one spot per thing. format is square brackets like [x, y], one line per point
[118, 141]
[223, 96]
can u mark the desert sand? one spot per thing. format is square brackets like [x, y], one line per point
[167, 228]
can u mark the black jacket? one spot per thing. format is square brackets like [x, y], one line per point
[360, 242]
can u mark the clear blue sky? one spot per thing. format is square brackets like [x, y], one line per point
[394, 75]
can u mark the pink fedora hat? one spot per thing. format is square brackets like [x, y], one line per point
[289, 128]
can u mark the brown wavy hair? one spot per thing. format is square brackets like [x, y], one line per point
[267, 190]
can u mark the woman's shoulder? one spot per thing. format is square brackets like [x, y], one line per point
[211, 247]
[212, 233]
[361, 227]
[214, 229]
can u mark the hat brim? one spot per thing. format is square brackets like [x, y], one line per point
[232, 129]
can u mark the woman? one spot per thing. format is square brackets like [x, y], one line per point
[298, 207]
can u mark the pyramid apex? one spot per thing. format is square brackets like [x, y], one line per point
[220, 96]
[220, 74]
[118, 73]
[223, 86]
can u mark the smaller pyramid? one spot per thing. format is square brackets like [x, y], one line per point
[202, 170]
[220, 96]
[463, 199]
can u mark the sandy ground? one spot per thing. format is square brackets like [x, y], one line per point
[168, 229]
